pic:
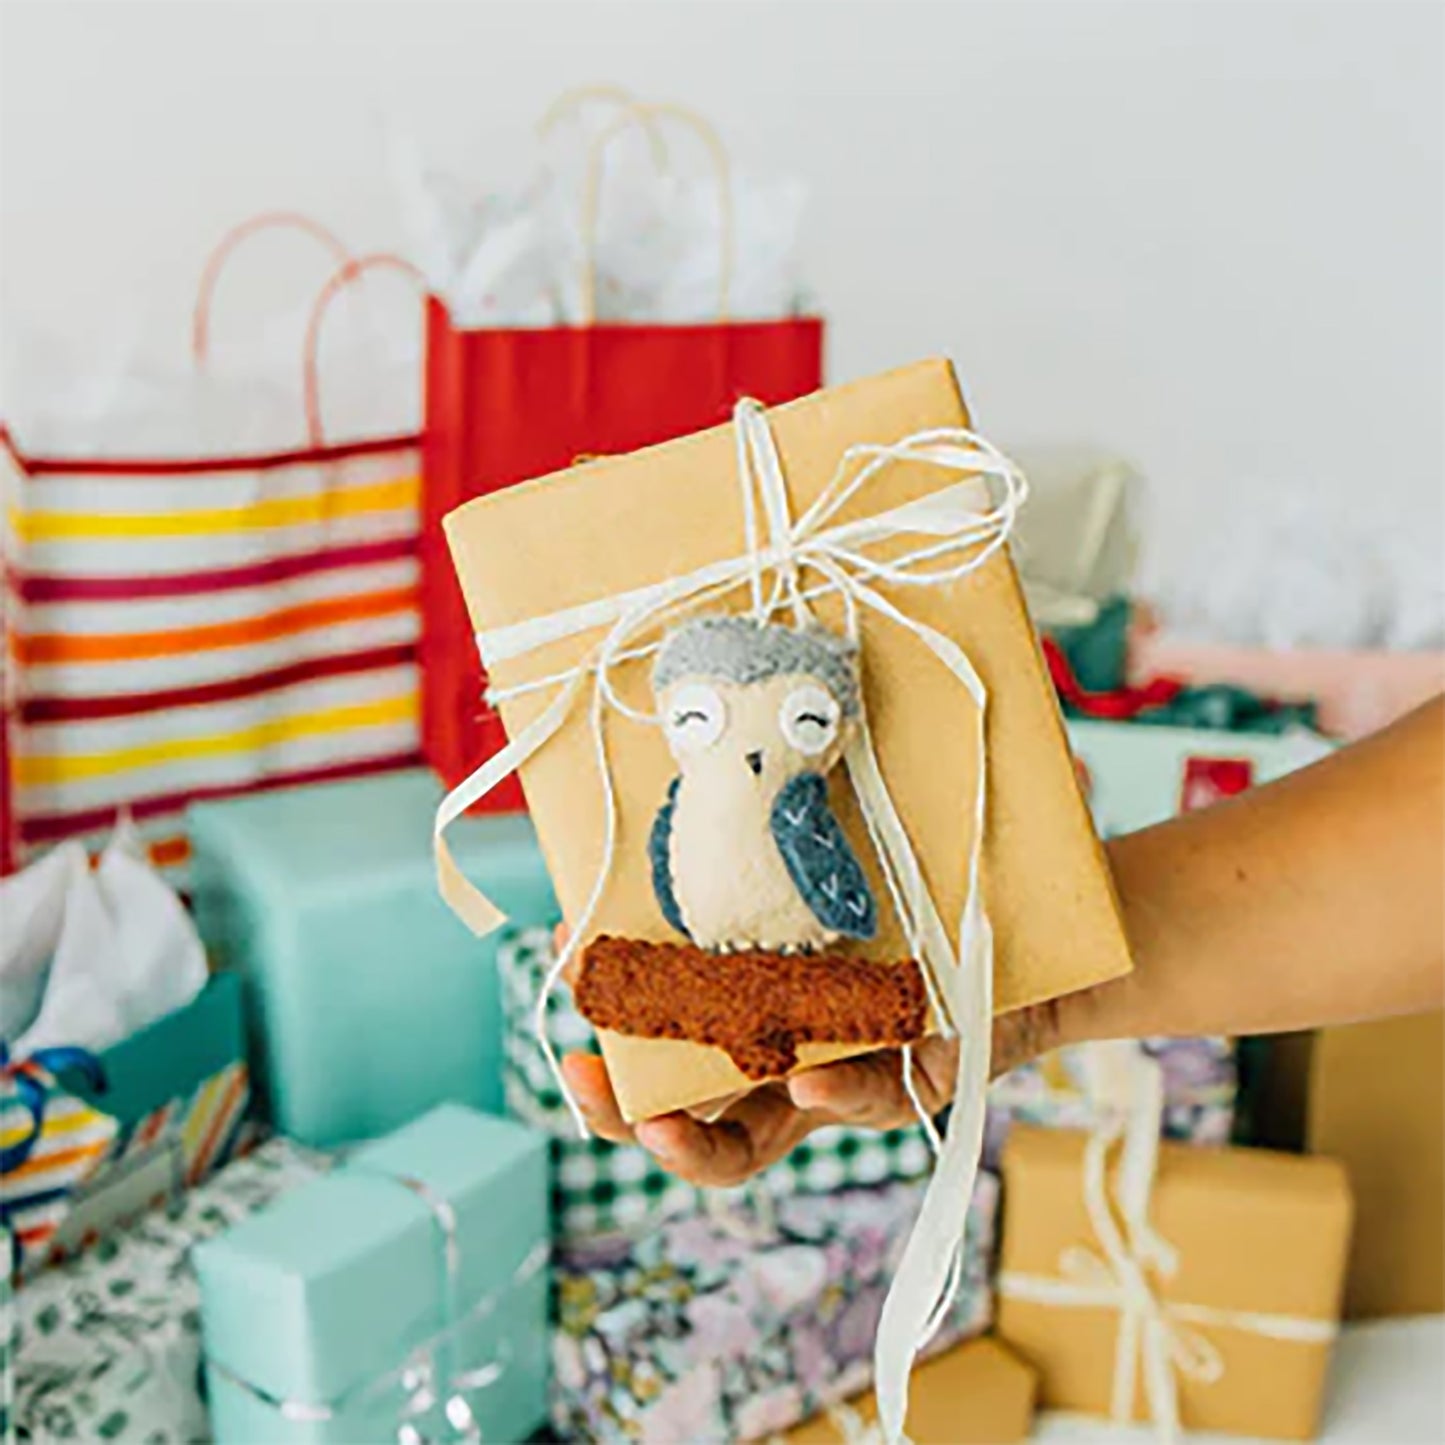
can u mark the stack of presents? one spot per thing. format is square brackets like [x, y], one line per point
[284, 1156]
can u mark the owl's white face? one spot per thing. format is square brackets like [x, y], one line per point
[763, 734]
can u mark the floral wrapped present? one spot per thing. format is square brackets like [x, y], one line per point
[601, 1189]
[1200, 1085]
[717, 1329]
[7, 1331]
[109, 1344]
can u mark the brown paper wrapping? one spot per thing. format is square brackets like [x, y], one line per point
[616, 524]
[1377, 1104]
[978, 1393]
[1256, 1231]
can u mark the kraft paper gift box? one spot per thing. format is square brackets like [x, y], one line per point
[977, 1393]
[111, 1340]
[613, 525]
[1374, 1102]
[168, 1110]
[408, 1283]
[1250, 1306]
[733, 1323]
[369, 1002]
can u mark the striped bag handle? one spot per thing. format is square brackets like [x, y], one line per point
[220, 256]
[343, 276]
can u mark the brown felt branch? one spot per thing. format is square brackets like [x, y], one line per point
[757, 1007]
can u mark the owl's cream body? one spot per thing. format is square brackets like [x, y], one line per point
[732, 884]
[747, 853]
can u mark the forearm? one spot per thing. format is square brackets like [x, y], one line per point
[1316, 900]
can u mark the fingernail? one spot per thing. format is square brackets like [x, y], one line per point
[654, 1140]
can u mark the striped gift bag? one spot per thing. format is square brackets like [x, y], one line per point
[189, 627]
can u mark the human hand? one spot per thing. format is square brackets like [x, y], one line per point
[769, 1121]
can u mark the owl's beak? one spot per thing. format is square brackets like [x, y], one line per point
[755, 762]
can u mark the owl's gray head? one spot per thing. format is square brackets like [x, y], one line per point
[754, 704]
[742, 651]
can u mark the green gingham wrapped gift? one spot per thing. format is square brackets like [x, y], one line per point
[602, 1189]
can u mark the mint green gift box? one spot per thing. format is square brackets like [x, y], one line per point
[333, 1317]
[1137, 773]
[369, 1002]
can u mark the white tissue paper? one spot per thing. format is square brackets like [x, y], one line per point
[1305, 574]
[89, 957]
[128, 391]
[519, 258]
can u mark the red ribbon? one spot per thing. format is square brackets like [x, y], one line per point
[1117, 704]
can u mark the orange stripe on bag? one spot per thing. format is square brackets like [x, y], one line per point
[60, 1159]
[137, 646]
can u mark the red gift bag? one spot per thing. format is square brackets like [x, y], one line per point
[504, 405]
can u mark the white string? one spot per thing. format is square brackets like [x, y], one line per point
[960, 982]
[1153, 1333]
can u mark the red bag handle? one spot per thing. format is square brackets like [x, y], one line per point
[216, 263]
[338, 281]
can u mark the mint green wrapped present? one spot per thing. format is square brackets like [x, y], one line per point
[1135, 775]
[402, 1296]
[370, 1002]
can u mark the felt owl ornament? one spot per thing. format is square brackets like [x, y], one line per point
[746, 852]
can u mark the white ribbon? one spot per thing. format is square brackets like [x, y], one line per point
[1154, 1333]
[954, 536]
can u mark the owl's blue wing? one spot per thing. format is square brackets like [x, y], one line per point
[820, 861]
[659, 853]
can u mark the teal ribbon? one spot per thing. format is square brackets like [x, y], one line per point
[33, 1081]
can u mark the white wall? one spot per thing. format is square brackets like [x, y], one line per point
[1209, 234]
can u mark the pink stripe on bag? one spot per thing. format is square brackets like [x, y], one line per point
[38, 468]
[38, 588]
[40, 710]
[54, 827]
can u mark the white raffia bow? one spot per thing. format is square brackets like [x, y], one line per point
[1157, 1334]
[955, 537]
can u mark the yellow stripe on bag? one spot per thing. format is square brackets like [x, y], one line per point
[393, 496]
[68, 1116]
[33, 771]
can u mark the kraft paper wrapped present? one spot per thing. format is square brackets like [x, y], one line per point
[977, 1393]
[730, 1326]
[1209, 1301]
[535, 552]
[600, 1188]
[159, 1112]
[112, 1339]
[1376, 1102]
[407, 1285]
[1200, 1086]
[369, 1002]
